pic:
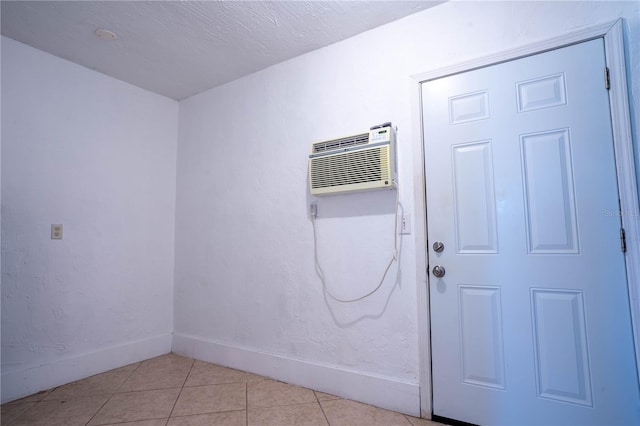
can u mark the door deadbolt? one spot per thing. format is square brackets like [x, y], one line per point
[438, 271]
[438, 247]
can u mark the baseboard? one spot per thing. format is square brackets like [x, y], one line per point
[31, 379]
[380, 391]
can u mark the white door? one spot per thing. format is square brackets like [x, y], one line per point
[530, 323]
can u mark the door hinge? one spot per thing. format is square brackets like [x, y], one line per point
[607, 78]
[623, 241]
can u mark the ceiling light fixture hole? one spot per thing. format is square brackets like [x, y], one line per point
[106, 34]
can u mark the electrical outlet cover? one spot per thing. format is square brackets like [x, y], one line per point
[56, 232]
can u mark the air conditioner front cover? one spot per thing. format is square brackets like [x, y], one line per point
[353, 163]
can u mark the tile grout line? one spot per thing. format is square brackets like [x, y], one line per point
[48, 391]
[321, 408]
[114, 392]
[193, 361]
[25, 412]
[99, 409]
[246, 403]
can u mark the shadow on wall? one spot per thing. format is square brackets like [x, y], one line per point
[366, 203]
[357, 252]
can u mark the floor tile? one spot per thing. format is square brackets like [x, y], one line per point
[325, 396]
[203, 373]
[172, 390]
[288, 415]
[270, 393]
[415, 421]
[157, 422]
[211, 399]
[342, 412]
[134, 406]
[229, 418]
[52, 413]
[167, 371]
[140, 381]
[71, 421]
[128, 367]
[100, 384]
[10, 412]
[168, 360]
[36, 397]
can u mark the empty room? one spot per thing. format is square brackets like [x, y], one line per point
[320, 213]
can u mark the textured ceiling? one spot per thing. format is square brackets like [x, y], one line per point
[180, 48]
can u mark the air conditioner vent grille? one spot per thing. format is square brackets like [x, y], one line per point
[350, 168]
[337, 144]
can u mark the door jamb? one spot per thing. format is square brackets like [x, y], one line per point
[612, 34]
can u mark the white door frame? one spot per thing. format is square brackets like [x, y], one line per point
[612, 34]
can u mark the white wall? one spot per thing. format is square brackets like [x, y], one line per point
[246, 292]
[98, 156]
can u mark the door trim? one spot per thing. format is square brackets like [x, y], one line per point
[612, 34]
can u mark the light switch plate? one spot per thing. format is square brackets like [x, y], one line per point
[56, 232]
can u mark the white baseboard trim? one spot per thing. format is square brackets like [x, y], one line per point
[380, 391]
[31, 379]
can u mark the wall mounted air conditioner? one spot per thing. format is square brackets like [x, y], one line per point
[360, 162]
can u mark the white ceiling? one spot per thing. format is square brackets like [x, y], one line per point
[180, 48]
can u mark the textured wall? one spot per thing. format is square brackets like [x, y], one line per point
[98, 156]
[244, 247]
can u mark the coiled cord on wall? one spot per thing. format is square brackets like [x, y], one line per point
[394, 256]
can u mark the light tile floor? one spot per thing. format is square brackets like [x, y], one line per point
[172, 390]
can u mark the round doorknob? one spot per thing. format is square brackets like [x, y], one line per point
[438, 271]
[438, 247]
